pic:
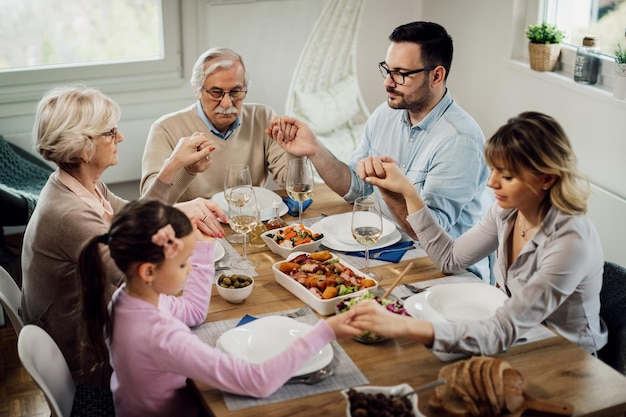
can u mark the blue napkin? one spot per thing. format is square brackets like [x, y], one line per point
[294, 207]
[246, 319]
[394, 256]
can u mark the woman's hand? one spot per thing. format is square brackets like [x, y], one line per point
[205, 215]
[192, 153]
[342, 325]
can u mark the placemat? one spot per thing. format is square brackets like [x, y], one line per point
[346, 373]
[359, 262]
[539, 332]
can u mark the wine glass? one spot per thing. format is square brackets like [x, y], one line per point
[236, 174]
[243, 216]
[367, 227]
[300, 182]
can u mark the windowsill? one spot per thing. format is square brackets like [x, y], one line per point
[597, 92]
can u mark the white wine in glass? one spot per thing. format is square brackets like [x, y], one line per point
[236, 175]
[242, 218]
[300, 182]
[367, 227]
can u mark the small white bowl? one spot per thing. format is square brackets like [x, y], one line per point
[285, 251]
[387, 391]
[234, 295]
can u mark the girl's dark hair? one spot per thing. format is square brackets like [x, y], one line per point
[436, 44]
[537, 143]
[130, 243]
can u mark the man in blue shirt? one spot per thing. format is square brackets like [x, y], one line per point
[435, 142]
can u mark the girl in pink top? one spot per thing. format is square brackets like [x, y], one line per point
[151, 348]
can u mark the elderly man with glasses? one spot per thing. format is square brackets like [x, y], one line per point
[438, 146]
[236, 131]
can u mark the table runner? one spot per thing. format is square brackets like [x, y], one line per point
[232, 255]
[346, 373]
[539, 332]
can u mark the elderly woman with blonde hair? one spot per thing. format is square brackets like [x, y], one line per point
[76, 128]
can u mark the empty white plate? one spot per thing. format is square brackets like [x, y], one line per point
[266, 337]
[339, 227]
[264, 197]
[219, 251]
[456, 302]
[332, 243]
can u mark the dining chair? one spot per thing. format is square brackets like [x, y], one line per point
[10, 296]
[613, 312]
[45, 363]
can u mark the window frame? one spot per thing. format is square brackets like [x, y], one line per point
[18, 86]
[537, 11]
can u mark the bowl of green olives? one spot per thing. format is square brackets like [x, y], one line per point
[234, 288]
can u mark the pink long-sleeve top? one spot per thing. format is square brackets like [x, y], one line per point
[153, 351]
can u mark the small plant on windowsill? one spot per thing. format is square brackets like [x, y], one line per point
[544, 46]
[619, 87]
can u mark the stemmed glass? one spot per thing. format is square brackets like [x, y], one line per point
[300, 182]
[367, 227]
[243, 216]
[236, 175]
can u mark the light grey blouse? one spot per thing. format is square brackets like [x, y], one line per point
[556, 279]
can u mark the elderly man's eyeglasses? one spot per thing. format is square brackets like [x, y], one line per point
[111, 133]
[398, 77]
[218, 94]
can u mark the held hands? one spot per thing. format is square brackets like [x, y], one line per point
[205, 215]
[383, 172]
[193, 152]
[293, 135]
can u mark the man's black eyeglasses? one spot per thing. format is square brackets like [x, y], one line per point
[218, 94]
[398, 77]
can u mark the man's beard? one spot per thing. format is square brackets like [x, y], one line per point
[418, 101]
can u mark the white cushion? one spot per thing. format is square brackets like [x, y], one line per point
[328, 110]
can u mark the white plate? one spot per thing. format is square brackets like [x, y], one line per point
[264, 197]
[332, 243]
[219, 251]
[456, 302]
[339, 227]
[267, 337]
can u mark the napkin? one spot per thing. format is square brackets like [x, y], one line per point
[246, 319]
[294, 207]
[394, 256]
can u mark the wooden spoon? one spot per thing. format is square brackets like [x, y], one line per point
[545, 406]
[397, 281]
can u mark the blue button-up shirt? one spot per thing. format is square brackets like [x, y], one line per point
[442, 155]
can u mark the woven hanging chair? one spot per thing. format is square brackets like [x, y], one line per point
[324, 90]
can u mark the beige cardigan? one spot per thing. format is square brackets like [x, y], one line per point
[60, 225]
[248, 144]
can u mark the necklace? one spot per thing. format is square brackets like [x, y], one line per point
[523, 228]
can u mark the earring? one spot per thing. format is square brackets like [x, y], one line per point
[149, 283]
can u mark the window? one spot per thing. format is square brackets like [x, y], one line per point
[117, 44]
[604, 19]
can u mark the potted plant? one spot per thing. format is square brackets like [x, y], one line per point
[619, 88]
[544, 46]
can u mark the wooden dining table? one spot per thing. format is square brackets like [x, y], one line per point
[555, 368]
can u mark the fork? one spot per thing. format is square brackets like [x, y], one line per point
[414, 289]
[298, 313]
[378, 254]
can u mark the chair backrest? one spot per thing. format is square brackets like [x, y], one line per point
[10, 296]
[45, 363]
[613, 312]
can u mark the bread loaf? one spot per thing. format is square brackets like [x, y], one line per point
[479, 386]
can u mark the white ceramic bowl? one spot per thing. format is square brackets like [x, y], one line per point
[285, 251]
[388, 391]
[325, 307]
[234, 295]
